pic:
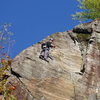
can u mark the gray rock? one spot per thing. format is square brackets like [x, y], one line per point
[60, 79]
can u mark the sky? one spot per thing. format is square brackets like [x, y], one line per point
[33, 20]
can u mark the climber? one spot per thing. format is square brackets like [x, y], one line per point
[45, 49]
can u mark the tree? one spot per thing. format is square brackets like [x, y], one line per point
[6, 87]
[90, 10]
[5, 41]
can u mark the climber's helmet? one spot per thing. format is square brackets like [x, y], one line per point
[51, 39]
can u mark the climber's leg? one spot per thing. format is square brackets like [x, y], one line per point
[46, 54]
[42, 54]
[50, 57]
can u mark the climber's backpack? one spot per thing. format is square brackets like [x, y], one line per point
[43, 45]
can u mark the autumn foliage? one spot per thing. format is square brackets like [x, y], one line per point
[5, 63]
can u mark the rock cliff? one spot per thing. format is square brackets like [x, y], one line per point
[73, 74]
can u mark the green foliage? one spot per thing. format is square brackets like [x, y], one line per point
[5, 88]
[83, 38]
[8, 95]
[91, 10]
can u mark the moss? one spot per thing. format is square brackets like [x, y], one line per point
[98, 44]
[83, 38]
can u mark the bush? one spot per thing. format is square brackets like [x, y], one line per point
[83, 38]
[5, 62]
[90, 10]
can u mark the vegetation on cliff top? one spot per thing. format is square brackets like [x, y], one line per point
[91, 10]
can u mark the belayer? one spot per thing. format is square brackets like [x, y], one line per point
[45, 49]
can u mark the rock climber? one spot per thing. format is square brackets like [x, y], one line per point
[46, 48]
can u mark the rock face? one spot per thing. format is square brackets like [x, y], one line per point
[61, 79]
